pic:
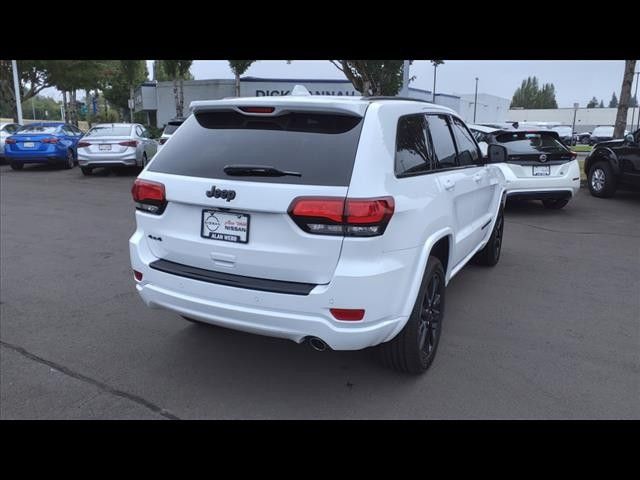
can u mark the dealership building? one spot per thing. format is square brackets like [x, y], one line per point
[156, 99]
[586, 119]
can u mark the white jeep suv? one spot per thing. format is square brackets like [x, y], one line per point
[338, 221]
[538, 166]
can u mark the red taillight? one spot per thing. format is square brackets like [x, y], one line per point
[163, 140]
[149, 196]
[10, 141]
[358, 217]
[137, 275]
[258, 109]
[129, 143]
[83, 144]
[50, 140]
[347, 314]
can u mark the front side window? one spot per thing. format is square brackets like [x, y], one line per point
[413, 152]
[443, 146]
[468, 153]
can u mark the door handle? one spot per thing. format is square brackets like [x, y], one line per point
[477, 177]
[449, 185]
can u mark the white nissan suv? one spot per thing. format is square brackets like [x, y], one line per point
[332, 220]
[538, 166]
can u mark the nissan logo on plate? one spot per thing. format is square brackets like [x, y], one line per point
[543, 158]
[217, 193]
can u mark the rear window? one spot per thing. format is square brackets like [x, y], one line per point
[603, 132]
[170, 128]
[321, 147]
[109, 131]
[563, 131]
[37, 129]
[525, 142]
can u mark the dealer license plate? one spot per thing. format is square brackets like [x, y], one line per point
[225, 226]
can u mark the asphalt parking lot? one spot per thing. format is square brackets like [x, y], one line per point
[552, 332]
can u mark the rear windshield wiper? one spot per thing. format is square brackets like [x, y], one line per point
[257, 171]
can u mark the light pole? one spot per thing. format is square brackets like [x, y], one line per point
[475, 102]
[635, 95]
[16, 88]
[575, 111]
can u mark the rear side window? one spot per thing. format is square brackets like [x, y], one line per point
[170, 128]
[468, 153]
[443, 146]
[527, 143]
[413, 152]
[321, 147]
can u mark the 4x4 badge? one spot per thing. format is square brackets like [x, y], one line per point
[217, 193]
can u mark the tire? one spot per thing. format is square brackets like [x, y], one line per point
[16, 165]
[414, 348]
[601, 180]
[555, 204]
[86, 170]
[490, 254]
[69, 161]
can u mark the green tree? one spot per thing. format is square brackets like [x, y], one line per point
[134, 73]
[613, 103]
[530, 95]
[177, 69]
[33, 76]
[601, 105]
[73, 75]
[120, 79]
[45, 108]
[373, 77]
[238, 67]
[160, 75]
[625, 97]
[593, 103]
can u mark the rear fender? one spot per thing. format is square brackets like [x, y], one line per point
[418, 274]
[603, 154]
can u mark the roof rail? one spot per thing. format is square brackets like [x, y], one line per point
[374, 97]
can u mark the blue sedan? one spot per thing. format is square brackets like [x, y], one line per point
[50, 143]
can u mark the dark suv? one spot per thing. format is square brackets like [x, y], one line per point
[614, 164]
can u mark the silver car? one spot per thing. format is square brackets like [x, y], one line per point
[6, 130]
[115, 145]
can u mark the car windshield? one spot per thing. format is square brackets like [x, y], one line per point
[109, 131]
[37, 129]
[563, 131]
[528, 142]
[603, 132]
[170, 128]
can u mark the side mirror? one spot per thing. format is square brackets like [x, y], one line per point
[496, 154]
[629, 138]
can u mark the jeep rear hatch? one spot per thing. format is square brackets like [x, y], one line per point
[230, 178]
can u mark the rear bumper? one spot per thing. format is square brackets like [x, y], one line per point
[289, 316]
[539, 195]
[35, 157]
[565, 185]
[126, 159]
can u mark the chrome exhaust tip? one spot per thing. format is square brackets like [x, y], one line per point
[317, 344]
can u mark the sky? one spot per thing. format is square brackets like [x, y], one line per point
[574, 80]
